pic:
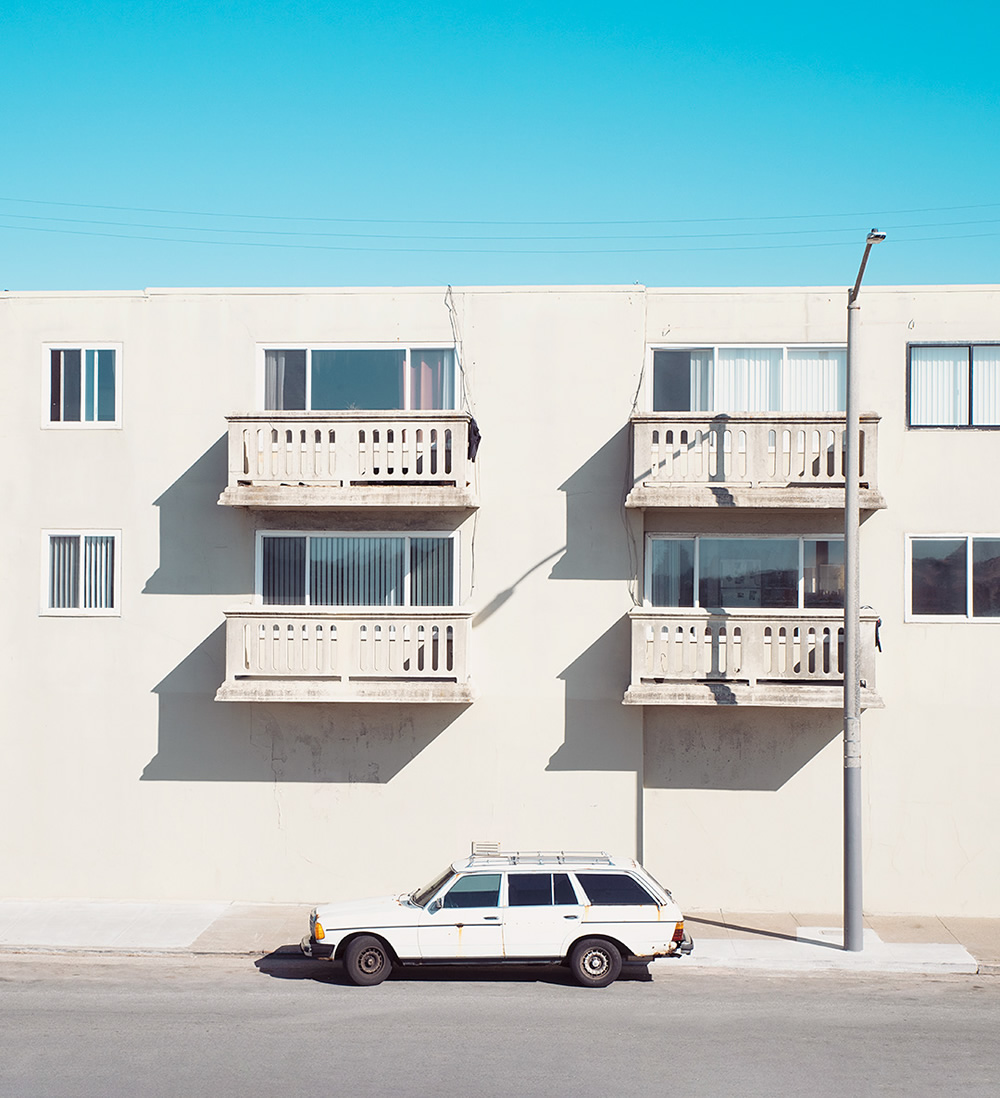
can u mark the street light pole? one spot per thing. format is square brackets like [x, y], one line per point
[853, 909]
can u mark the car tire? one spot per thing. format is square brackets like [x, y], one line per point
[367, 961]
[595, 962]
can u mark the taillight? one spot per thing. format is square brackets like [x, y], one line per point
[678, 933]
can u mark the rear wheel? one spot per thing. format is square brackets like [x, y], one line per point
[367, 961]
[595, 962]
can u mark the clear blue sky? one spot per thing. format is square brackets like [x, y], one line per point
[405, 143]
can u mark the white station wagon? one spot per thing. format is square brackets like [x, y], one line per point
[586, 910]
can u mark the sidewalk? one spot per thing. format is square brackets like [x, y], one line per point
[781, 942]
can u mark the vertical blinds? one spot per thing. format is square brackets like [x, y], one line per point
[346, 570]
[81, 572]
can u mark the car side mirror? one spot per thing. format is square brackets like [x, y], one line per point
[434, 907]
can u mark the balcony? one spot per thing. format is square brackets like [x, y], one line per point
[386, 654]
[746, 657]
[350, 460]
[749, 459]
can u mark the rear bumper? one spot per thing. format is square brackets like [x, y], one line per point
[311, 948]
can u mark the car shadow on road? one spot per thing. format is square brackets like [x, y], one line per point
[289, 963]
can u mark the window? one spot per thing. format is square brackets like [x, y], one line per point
[80, 572]
[954, 385]
[355, 570]
[954, 577]
[83, 387]
[539, 890]
[743, 572]
[365, 379]
[477, 890]
[749, 379]
[613, 888]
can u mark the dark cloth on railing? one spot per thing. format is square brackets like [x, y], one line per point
[474, 439]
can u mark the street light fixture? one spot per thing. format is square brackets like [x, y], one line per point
[853, 909]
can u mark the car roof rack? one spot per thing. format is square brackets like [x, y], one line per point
[480, 856]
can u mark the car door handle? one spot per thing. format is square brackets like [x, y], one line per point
[491, 918]
[571, 916]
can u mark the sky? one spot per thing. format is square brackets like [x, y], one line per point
[471, 144]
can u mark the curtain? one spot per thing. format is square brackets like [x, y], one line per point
[986, 386]
[432, 379]
[64, 571]
[98, 572]
[814, 380]
[939, 386]
[747, 379]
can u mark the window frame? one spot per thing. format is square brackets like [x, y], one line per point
[80, 611]
[944, 619]
[801, 539]
[406, 535]
[969, 345]
[804, 345]
[407, 348]
[79, 424]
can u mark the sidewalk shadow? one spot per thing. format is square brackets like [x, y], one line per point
[763, 933]
[287, 962]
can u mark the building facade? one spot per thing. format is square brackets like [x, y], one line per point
[313, 587]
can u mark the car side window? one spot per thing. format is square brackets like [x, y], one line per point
[474, 890]
[563, 889]
[613, 888]
[529, 889]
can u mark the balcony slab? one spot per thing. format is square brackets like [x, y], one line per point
[350, 497]
[761, 694]
[351, 690]
[763, 497]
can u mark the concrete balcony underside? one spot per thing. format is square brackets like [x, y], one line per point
[404, 655]
[747, 657]
[765, 460]
[350, 497]
[348, 461]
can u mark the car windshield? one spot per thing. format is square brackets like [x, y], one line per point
[422, 895]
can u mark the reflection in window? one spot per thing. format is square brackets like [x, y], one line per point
[746, 573]
[939, 577]
[362, 379]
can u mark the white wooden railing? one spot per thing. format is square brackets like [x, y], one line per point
[391, 644]
[747, 646]
[761, 449]
[343, 448]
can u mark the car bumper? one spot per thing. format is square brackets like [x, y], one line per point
[311, 948]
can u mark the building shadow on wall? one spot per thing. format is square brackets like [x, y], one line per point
[599, 734]
[201, 739]
[205, 549]
[724, 747]
[601, 541]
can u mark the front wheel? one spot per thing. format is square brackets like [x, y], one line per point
[367, 961]
[595, 962]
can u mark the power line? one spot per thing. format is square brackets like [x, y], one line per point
[419, 221]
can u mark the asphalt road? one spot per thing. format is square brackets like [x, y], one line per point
[103, 1027]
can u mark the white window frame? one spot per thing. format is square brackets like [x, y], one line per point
[970, 346]
[651, 348]
[696, 564]
[944, 619]
[80, 424]
[80, 611]
[407, 535]
[407, 349]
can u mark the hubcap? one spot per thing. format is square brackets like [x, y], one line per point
[596, 962]
[371, 961]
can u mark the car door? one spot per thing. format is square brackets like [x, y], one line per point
[542, 915]
[463, 922]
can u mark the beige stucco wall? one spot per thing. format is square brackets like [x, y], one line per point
[124, 779]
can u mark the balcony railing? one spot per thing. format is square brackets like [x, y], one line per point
[349, 459]
[347, 654]
[748, 459]
[749, 657]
